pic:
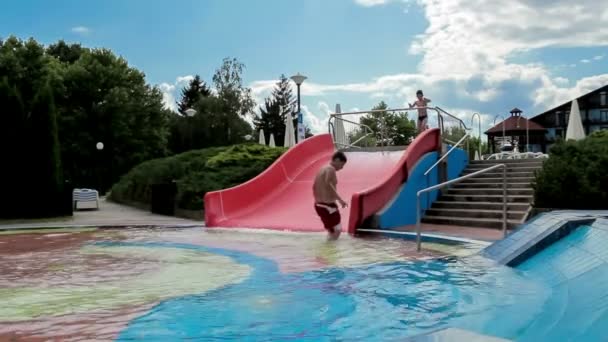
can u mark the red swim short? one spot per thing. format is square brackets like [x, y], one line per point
[329, 214]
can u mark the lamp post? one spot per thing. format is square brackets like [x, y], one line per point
[190, 113]
[99, 147]
[479, 121]
[299, 79]
[527, 132]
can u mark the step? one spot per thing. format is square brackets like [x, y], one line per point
[491, 185]
[509, 169]
[487, 198]
[486, 180]
[508, 161]
[475, 213]
[491, 191]
[469, 222]
[480, 205]
[498, 174]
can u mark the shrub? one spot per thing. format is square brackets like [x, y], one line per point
[196, 173]
[575, 176]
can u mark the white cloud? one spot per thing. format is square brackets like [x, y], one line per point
[551, 94]
[585, 61]
[170, 91]
[370, 3]
[81, 30]
[598, 58]
[562, 81]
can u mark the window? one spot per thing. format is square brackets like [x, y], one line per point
[559, 132]
[604, 115]
[557, 116]
[603, 98]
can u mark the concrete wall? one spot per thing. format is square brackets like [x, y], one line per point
[401, 211]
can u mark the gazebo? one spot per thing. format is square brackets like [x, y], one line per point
[517, 130]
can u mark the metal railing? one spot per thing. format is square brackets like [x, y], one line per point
[454, 146]
[456, 180]
[348, 132]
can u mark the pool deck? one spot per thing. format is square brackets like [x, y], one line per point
[109, 215]
[481, 234]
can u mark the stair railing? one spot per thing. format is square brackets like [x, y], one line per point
[456, 180]
[447, 153]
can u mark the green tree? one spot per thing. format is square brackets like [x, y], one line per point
[196, 90]
[395, 128]
[575, 177]
[219, 116]
[29, 142]
[103, 99]
[275, 110]
[44, 153]
[228, 82]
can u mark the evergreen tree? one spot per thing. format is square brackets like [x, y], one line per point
[45, 162]
[196, 89]
[271, 118]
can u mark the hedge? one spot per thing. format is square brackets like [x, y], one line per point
[196, 173]
[575, 176]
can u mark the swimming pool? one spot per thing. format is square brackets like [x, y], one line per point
[176, 284]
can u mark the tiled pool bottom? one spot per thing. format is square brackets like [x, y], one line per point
[173, 285]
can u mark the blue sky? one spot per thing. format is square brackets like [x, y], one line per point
[468, 55]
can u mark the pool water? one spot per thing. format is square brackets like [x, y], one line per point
[188, 284]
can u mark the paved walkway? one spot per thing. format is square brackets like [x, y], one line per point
[109, 215]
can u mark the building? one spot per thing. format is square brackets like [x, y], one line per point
[528, 135]
[594, 114]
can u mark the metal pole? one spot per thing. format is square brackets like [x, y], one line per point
[527, 135]
[504, 200]
[298, 98]
[418, 234]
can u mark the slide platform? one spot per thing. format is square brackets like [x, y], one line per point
[281, 198]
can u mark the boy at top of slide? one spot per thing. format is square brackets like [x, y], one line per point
[421, 101]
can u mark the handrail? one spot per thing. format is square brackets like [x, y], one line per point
[456, 180]
[332, 129]
[383, 111]
[453, 117]
[446, 154]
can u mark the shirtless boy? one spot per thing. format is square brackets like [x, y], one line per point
[421, 101]
[326, 195]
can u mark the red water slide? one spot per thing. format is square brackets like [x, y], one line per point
[281, 198]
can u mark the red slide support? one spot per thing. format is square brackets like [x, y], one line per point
[281, 198]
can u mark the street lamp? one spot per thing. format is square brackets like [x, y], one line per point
[99, 147]
[298, 79]
[190, 112]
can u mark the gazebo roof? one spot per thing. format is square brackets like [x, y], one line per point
[511, 125]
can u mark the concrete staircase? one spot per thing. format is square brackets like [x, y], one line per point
[477, 201]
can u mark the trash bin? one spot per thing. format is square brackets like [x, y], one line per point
[163, 198]
[67, 200]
